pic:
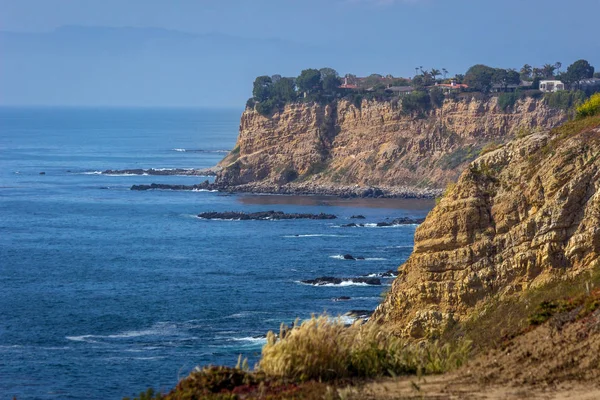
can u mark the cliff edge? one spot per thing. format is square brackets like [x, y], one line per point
[520, 217]
[311, 146]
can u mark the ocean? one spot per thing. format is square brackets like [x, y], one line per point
[107, 291]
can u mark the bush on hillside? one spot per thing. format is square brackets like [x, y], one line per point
[590, 107]
[325, 349]
[564, 100]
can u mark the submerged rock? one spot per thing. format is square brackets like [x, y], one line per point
[349, 257]
[342, 298]
[357, 217]
[262, 215]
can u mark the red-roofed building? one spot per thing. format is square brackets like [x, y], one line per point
[451, 87]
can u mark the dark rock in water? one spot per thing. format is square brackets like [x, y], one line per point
[358, 217]
[389, 274]
[368, 281]
[262, 215]
[360, 258]
[383, 224]
[324, 280]
[349, 257]
[359, 313]
[350, 225]
[159, 186]
[330, 280]
[407, 221]
[42, 173]
[401, 221]
[342, 298]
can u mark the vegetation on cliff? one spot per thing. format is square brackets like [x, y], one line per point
[418, 94]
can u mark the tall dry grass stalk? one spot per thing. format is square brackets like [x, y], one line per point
[326, 349]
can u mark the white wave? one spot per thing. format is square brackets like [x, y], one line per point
[314, 235]
[82, 338]
[199, 151]
[204, 190]
[343, 283]
[250, 339]
[92, 173]
[345, 319]
[144, 174]
[341, 257]
[158, 329]
[374, 225]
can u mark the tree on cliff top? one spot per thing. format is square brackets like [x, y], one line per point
[262, 88]
[479, 77]
[580, 69]
[309, 81]
[330, 80]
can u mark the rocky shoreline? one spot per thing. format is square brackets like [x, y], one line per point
[163, 171]
[403, 192]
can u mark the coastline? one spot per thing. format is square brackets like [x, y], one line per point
[304, 189]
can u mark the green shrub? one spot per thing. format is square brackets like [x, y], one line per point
[590, 107]
[265, 107]
[250, 103]
[564, 100]
[418, 101]
[325, 349]
[508, 100]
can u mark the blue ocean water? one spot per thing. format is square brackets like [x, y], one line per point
[107, 291]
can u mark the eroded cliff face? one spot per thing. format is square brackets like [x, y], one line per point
[519, 217]
[374, 145]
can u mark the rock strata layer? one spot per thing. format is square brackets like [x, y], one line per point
[306, 147]
[519, 217]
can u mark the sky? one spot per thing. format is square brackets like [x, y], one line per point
[206, 53]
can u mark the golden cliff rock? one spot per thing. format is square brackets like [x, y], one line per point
[376, 144]
[519, 217]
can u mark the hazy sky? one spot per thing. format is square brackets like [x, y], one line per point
[252, 37]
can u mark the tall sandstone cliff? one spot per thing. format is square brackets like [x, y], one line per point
[519, 217]
[374, 145]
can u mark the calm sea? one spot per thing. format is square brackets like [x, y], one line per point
[106, 291]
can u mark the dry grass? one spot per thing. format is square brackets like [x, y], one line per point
[325, 349]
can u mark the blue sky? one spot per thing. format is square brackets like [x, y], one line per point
[248, 38]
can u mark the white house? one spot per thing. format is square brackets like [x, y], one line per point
[551, 86]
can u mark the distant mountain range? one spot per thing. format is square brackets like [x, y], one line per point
[75, 65]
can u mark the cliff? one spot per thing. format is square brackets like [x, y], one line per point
[523, 216]
[310, 145]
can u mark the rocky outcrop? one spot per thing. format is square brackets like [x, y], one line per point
[310, 146]
[163, 172]
[330, 280]
[519, 217]
[261, 215]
